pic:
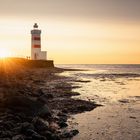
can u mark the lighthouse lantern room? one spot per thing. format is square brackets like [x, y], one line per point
[36, 53]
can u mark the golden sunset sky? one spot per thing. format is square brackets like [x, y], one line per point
[74, 31]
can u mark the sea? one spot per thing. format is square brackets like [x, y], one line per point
[117, 89]
[106, 83]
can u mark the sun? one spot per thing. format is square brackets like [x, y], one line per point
[4, 53]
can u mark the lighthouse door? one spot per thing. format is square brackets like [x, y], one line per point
[35, 56]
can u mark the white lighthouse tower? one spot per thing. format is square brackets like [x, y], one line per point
[36, 53]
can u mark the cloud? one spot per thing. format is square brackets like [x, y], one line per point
[93, 9]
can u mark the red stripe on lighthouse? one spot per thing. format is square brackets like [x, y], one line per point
[36, 38]
[36, 46]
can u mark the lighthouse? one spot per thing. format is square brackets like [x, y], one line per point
[36, 53]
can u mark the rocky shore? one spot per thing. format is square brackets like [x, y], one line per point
[35, 103]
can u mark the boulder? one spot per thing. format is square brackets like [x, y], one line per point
[62, 124]
[27, 106]
[30, 132]
[40, 124]
[44, 112]
[44, 98]
[8, 125]
[4, 134]
[38, 137]
[23, 104]
[48, 96]
[18, 137]
[37, 93]
[70, 134]
[50, 136]
[25, 126]
[6, 139]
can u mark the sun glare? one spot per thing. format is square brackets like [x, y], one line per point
[4, 53]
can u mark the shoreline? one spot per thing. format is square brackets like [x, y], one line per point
[36, 103]
[108, 122]
[118, 119]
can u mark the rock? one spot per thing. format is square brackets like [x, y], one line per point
[35, 136]
[5, 139]
[40, 92]
[132, 117]
[124, 101]
[18, 137]
[44, 112]
[28, 138]
[48, 96]
[8, 125]
[30, 132]
[65, 110]
[17, 129]
[40, 124]
[4, 134]
[17, 118]
[38, 137]
[21, 115]
[82, 81]
[63, 118]
[82, 108]
[23, 104]
[62, 124]
[50, 136]
[53, 127]
[28, 118]
[44, 98]
[25, 126]
[70, 134]
[74, 132]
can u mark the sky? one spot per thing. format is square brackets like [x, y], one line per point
[74, 31]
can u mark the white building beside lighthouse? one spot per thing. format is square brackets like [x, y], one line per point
[36, 53]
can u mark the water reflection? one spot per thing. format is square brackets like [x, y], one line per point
[105, 86]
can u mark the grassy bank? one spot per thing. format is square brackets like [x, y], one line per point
[26, 63]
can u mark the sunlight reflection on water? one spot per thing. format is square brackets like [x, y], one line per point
[107, 85]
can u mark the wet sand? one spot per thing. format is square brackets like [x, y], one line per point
[117, 122]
